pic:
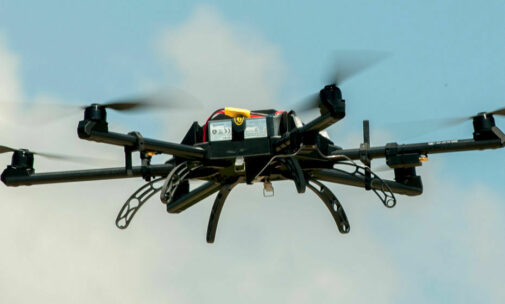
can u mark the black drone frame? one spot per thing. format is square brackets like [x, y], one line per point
[300, 154]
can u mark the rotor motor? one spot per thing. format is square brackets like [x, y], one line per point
[22, 159]
[331, 101]
[21, 164]
[95, 112]
[95, 118]
[482, 125]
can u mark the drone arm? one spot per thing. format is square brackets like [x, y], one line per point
[404, 158]
[12, 177]
[342, 177]
[88, 131]
[486, 135]
[320, 123]
[306, 134]
[424, 148]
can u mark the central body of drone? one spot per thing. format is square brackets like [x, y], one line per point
[240, 146]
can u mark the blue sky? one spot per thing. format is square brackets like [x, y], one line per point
[447, 59]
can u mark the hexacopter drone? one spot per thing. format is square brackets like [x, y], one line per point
[237, 146]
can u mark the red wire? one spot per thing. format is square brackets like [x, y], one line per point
[220, 111]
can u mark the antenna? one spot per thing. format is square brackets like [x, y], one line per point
[364, 154]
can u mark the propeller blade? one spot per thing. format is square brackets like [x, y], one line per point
[409, 130]
[430, 125]
[449, 122]
[166, 99]
[132, 104]
[498, 112]
[458, 120]
[349, 63]
[171, 98]
[63, 157]
[307, 104]
[343, 65]
[4, 149]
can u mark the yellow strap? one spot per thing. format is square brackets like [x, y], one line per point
[237, 112]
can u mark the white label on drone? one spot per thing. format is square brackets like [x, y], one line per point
[443, 142]
[255, 128]
[220, 130]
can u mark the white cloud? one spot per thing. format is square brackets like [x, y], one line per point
[59, 243]
[222, 64]
[51, 250]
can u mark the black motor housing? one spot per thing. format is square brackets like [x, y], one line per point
[21, 164]
[332, 102]
[482, 126]
[22, 159]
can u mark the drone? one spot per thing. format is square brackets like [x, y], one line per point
[239, 146]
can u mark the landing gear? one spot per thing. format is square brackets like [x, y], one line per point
[216, 210]
[333, 205]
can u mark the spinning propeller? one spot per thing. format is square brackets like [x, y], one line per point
[344, 65]
[454, 121]
[70, 158]
[426, 126]
[166, 99]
